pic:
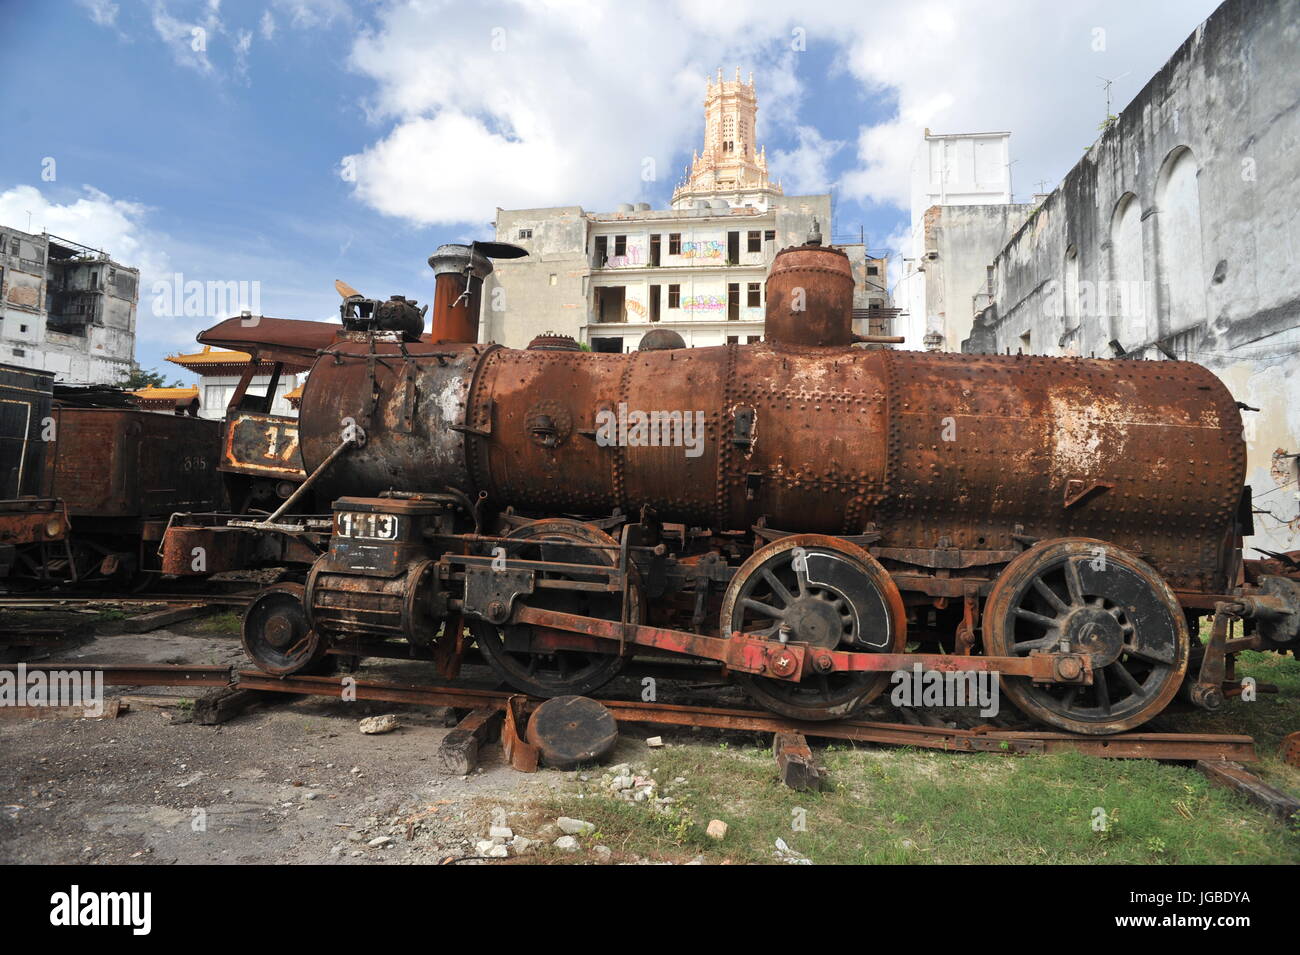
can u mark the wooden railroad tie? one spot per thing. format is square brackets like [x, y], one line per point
[1277, 804]
[459, 751]
[794, 761]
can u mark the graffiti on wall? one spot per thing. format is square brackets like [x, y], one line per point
[702, 250]
[704, 303]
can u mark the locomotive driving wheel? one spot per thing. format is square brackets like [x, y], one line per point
[824, 592]
[512, 650]
[1088, 596]
[276, 635]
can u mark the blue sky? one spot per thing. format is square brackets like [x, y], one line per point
[294, 142]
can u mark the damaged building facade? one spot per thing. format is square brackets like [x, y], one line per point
[66, 308]
[962, 216]
[697, 268]
[1176, 236]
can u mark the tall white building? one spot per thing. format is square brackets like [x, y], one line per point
[698, 268]
[943, 281]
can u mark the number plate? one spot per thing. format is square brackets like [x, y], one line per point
[365, 524]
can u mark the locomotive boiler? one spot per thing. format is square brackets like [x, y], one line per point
[808, 513]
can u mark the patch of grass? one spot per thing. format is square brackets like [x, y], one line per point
[1269, 718]
[111, 615]
[910, 806]
[226, 622]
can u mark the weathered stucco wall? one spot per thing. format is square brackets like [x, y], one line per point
[1178, 234]
[520, 301]
[963, 241]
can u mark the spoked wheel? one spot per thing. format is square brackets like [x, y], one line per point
[276, 635]
[517, 653]
[827, 593]
[1088, 596]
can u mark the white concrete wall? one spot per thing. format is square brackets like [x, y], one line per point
[1191, 195]
[215, 392]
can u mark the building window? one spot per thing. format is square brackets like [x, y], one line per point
[674, 296]
[602, 251]
[754, 295]
[769, 235]
[753, 339]
[733, 301]
[654, 249]
[620, 246]
[21, 353]
[873, 270]
[733, 339]
[525, 233]
[674, 243]
[654, 303]
[754, 242]
[554, 278]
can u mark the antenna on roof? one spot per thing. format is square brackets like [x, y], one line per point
[1107, 84]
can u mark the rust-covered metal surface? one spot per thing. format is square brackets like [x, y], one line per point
[32, 520]
[273, 339]
[809, 294]
[262, 445]
[409, 399]
[119, 463]
[936, 451]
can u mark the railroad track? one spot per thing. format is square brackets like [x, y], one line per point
[1171, 746]
[1217, 756]
[54, 601]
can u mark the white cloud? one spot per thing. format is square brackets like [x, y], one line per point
[123, 229]
[958, 67]
[188, 39]
[267, 25]
[578, 94]
[243, 45]
[94, 219]
[103, 12]
[805, 170]
[530, 103]
[309, 14]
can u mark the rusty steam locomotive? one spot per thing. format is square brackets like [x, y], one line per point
[808, 513]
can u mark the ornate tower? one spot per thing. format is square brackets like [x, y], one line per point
[731, 167]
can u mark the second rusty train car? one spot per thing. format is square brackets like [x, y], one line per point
[93, 480]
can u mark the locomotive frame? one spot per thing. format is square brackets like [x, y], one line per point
[558, 584]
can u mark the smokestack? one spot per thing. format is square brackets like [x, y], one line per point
[459, 272]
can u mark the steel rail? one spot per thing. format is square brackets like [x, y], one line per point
[1170, 746]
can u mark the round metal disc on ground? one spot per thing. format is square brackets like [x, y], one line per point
[572, 730]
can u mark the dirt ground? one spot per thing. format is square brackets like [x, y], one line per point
[297, 782]
[294, 782]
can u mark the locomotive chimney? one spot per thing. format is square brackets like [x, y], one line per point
[459, 272]
[810, 295]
